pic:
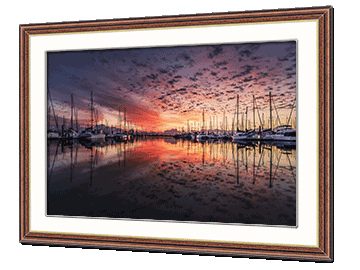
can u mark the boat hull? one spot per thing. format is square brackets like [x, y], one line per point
[92, 137]
[203, 137]
[246, 137]
[238, 138]
[97, 137]
[284, 138]
[120, 137]
[53, 136]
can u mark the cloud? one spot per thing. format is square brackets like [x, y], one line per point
[216, 51]
[178, 80]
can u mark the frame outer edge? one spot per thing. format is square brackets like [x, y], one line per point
[325, 251]
[24, 134]
[21, 130]
[289, 253]
[21, 135]
[329, 91]
[326, 135]
[318, 11]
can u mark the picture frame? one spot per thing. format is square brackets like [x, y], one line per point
[322, 251]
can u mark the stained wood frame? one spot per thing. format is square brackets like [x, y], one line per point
[324, 251]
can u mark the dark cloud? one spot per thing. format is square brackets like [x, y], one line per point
[245, 53]
[216, 51]
[163, 71]
[152, 76]
[172, 82]
[221, 63]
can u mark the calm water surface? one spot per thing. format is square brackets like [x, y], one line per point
[169, 179]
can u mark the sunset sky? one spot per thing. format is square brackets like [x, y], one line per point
[163, 88]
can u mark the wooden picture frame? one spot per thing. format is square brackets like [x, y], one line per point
[321, 252]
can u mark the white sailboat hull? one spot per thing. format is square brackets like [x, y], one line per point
[239, 137]
[283, 138]
[246, 137]
[53, 135]
[281, 133]
[203, 137]
[97, 137]
[89, 136]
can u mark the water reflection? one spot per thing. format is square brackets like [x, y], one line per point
[172, 179]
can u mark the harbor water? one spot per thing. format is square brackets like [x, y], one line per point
[163, 178]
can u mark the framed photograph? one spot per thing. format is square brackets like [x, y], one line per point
[196, 134]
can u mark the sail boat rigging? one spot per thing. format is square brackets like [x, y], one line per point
[122, 135]
[281, 132]
[202, 135]
[90, 134]
[242, 135]
[52, 134]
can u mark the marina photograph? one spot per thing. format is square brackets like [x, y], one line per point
[202, 133]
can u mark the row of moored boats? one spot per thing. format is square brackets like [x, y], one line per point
[89, 135]
[280, 133]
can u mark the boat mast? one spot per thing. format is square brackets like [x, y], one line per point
[254, 112]
[233, 124]
[224, 123]
[277, 115]
[48, 116]
[203, 115]
[72, 112]
[292, 107]
[52, 105]
[237, 113]
[92, 111]
[76, 120]
[217, 124]
[270, 112]
[120, 119]
[246, 121]
[242, 121]
[63, 127]
[261, 121]
[124, 119]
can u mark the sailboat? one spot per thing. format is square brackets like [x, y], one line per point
[121, 136]
[52, 134]
[194, 136]
[253, 135]
[280, 133]
[267, 134]
[240, 135]
[91, 134]
[284, 133]
[202, 136]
